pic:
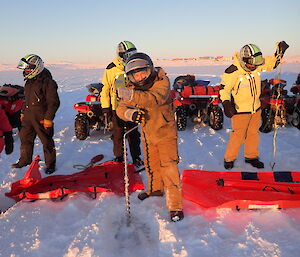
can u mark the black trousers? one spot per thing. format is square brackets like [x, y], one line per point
[134, 137]
[30, 129]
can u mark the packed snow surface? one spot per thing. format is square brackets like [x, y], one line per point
[81, 226]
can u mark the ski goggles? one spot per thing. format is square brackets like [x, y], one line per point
[125, 55]
[24, 65]
[140, 75]
[256, 60]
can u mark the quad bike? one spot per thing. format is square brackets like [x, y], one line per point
[279, 108]
[196, 100]
[12, 99]
[90, 115]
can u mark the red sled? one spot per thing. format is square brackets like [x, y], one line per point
[242, 190]
[106, 177]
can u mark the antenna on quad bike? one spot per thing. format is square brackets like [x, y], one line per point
[126, 177]
[276, 125]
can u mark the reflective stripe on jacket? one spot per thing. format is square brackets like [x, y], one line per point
[109, 92]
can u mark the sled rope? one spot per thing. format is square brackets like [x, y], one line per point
[92, 162]
[126, 177]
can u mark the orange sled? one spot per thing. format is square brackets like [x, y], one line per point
[242, 190]
[99, 178]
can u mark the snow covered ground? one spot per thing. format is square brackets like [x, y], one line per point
[80, 226]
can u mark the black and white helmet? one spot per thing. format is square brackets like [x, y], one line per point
[32, 65]
[124, 50]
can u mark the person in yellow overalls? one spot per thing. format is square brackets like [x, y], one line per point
[240, 92]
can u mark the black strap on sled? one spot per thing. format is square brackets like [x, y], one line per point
[249, 176]
[283, 176]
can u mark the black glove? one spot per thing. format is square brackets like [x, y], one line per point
[281, 48]
[107, 112]
[229, 109]
[9, 142]
[138, 116]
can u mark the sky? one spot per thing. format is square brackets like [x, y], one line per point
[88, 31]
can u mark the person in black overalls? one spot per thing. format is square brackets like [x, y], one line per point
[38, 112]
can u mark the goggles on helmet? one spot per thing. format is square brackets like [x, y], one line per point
[257, 59]
[139, 76]
[125, 55]
[24, 65]
[252, 62]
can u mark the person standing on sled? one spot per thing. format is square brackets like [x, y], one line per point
[6, 138]
[147, 101]
[38, 112]
[113, 78]
[240, 92]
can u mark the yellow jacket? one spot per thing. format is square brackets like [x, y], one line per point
[112, 77]
[243, 86]
[159, 124]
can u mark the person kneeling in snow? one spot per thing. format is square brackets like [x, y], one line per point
[240, 92]
[6, 138]
[147, 101]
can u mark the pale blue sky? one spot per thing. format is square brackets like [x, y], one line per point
[89, 30]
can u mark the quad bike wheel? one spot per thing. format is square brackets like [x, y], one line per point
[181, 118]
[216, 118]
[82, 126]
[296, 119]
[267, 120]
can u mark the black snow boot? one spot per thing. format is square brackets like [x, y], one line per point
[50, 169]
[19, 165]
[176, 215]
[144, 195]
[255, 162]
[228, 165]
[137, 162]
[118, 159]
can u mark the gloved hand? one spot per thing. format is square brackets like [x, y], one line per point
[229, 109]
[281, 48]
[47, 123]
[138, 116]
[107, 112]
[125, 93]
[9, 142]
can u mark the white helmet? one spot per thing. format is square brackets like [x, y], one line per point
[32, 65]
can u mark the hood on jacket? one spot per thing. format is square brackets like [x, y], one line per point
[119, 65]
